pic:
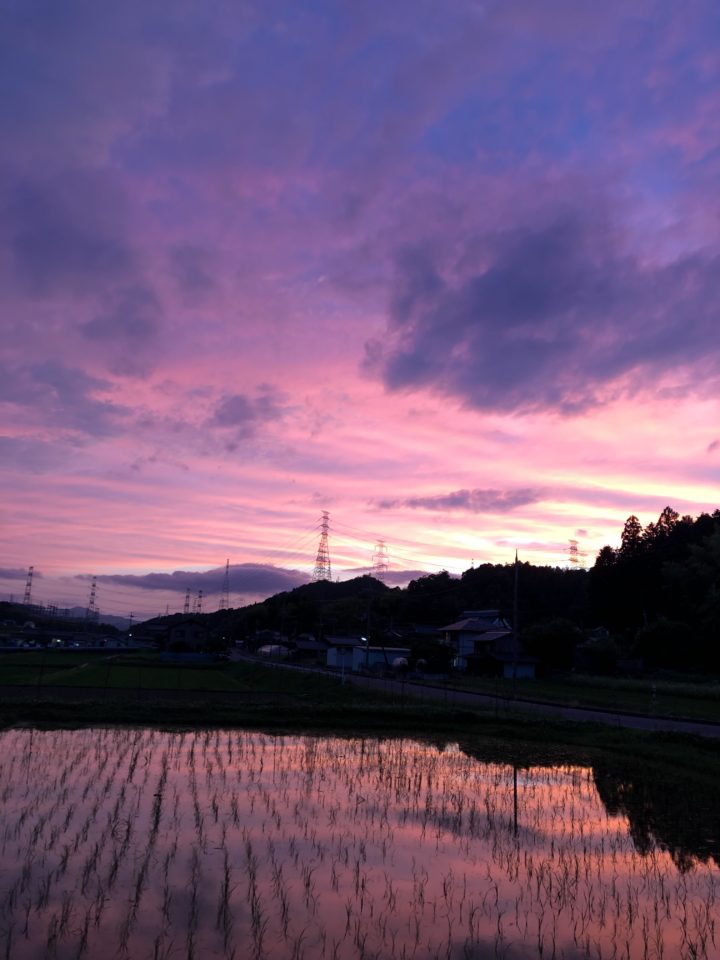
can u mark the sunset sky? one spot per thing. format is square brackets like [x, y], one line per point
[449, 271]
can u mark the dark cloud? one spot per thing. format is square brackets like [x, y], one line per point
[190, 267]
[133, 317]
[549, 317]
[66, 235]
[16, 573]
[244, 414]
[128, 330]
[28, 455]
[63, 395]
[251, 578]
[475, 501]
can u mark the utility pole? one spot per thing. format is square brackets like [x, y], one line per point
[516, 634]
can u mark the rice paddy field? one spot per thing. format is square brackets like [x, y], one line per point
[143, 843]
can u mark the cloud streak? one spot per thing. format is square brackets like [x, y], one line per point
[12, 573]
[250, 578]
[471, 501]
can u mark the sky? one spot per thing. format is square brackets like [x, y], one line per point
[447, 271]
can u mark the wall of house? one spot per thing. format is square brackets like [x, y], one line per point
[377, 656]
[524, 671]
[340, 657]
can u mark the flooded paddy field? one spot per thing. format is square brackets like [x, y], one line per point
[223, 843]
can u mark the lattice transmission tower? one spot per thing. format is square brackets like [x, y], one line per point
[27, 599]
[322, 569]
[92, 612]
[576, 556]
[225, 593]
[381, 562]
[186, 605]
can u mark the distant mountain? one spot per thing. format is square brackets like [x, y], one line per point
[61, 618]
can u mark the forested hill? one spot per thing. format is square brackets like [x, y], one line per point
[657, 597]
[660, 590]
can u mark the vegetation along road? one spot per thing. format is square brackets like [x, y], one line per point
[504, 705]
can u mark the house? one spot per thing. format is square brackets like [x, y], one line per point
[305, 648]
[483, 642]
[340, 652]
[378, 658]
[188, 635]
[148, 634]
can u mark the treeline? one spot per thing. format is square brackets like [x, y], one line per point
[659, 592]
[655, 600]
[366, 606]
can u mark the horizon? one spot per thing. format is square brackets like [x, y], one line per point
[131, 593]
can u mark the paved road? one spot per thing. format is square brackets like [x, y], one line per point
[456, 696]
[506, 707]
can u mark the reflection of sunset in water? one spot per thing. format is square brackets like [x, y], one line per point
[234, 844]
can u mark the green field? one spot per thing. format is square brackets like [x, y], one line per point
[40, 669]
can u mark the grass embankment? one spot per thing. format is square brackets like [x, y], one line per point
[696, 700]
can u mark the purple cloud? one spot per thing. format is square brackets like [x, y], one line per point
[192, 270]
[251, 578]
[15, 573]
[127, 330]
[67, 234]
[474, 501]
[34, 456]
[244, 414]
[64, 395]
[546, 316]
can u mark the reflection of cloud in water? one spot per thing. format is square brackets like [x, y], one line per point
[214, 842]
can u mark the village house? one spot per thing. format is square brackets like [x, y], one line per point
[188, 635]
[483, 642]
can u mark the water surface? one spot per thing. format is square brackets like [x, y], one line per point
[142, 843]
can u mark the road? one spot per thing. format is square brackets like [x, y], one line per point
[455, 696]
[503, 706]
